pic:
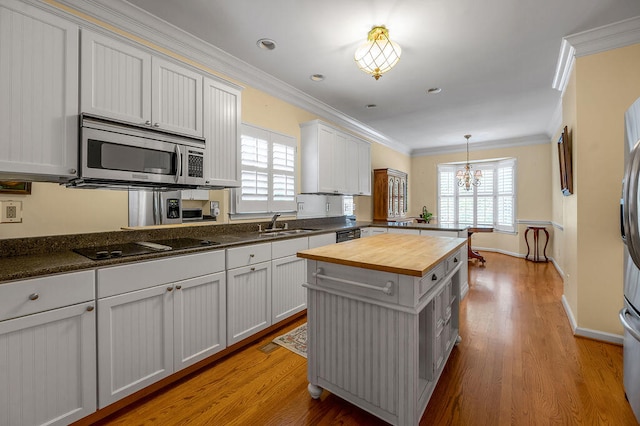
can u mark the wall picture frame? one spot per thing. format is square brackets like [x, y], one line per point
[565, 162]
[14, 187]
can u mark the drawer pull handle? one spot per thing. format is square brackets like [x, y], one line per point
[252, 255]
[387, 289]
[169, 288]
[253, 269]
[434, 277]
[455, 260]
[90, 308]
[34, 296]
[178, 287]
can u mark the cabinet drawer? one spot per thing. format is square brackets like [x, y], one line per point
[432, 278]
[248, 255]
[454, 260]
[322, 240]
[288, 247]
[27, 297]
[137, 276]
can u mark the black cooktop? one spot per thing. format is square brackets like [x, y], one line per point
[135, 249]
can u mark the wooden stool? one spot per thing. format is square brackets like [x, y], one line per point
[536, 251]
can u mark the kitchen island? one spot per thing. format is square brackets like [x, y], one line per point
[382, 319]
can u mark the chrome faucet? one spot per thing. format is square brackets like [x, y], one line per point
[273, 221]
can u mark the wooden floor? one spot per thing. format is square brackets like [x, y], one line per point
[518, 364]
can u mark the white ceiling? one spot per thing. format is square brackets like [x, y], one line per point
[494, 59]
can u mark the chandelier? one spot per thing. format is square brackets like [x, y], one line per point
[379, 54]
[467, 178]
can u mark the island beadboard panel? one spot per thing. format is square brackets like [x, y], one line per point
[412, 255]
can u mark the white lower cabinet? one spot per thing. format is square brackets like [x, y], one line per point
[248, 301]
[48, 357]
[248, 291]
[157, 317]
[289, 272]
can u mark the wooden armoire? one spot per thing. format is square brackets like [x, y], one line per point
[389, 195]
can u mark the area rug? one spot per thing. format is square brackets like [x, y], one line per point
[295, 340]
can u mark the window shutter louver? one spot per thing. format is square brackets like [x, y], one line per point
[491, 203]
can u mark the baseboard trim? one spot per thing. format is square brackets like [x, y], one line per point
[589, 333]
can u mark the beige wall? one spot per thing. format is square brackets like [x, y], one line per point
[534, 170]
[605, 85]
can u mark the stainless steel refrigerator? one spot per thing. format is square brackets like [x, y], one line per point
[630, 228]
[154, 207]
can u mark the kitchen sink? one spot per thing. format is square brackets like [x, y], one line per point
[285, 232]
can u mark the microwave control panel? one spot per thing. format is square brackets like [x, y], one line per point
[195, 164]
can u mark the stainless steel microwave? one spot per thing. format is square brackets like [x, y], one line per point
[114, 153]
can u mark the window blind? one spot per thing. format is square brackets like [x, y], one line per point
[491, 203]
[268, 165]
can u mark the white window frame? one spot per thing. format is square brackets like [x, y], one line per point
[509, 164]
[271, 200]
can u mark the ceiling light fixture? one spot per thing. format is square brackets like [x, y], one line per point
[379, 54]
[465, 177]
[316, 77]
[370, 106]
[434, 90]
[266, 44]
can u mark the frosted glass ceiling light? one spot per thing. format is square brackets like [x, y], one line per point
[465, 176]
[379, 54]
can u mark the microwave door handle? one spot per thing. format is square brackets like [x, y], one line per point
[179, 161]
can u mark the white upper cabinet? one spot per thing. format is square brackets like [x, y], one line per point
[123, 82]
[176, 95]
[39, 94]
[333, 162]
[222, 133]
[115, 79]
[364, 168]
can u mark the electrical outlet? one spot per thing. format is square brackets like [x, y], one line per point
[10, 211]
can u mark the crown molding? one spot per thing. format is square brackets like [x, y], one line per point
[483, 146]
[607, 37]
[596, 40]
[566, 59]
[138, 23]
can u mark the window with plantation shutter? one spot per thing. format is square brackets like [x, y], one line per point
[268, 170]
[491, 203]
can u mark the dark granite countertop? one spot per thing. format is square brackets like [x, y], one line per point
[23, 258]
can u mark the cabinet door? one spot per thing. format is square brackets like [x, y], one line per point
[289, 297]
[48, 367]
[135, 341]
[364, 168]
[200, 319]
[222, 133]
[115, 79]
[248, 301]
[339, 163]
[39, 94]
[352, 179]
[176, 98]
[326, 142]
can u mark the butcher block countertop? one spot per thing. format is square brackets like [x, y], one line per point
[404, 254]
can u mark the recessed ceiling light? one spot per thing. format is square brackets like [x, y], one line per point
[317, 77]
[266, 44]
[434, 90]
[370, 106]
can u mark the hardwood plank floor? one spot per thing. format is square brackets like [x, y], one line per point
[518, 364]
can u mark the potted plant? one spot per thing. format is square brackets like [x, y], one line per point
[426, 215]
